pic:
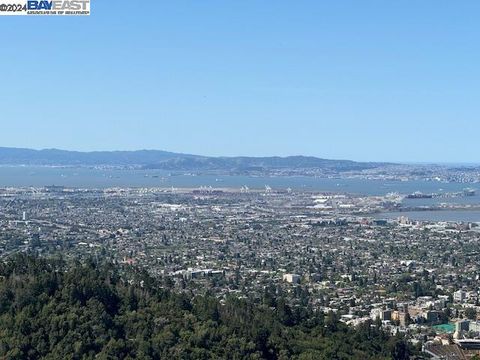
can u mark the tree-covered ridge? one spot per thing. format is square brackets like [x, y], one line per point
[49, 310]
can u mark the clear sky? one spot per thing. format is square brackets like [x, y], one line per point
[362, 80]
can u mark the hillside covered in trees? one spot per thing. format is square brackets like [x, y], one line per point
[51, 310]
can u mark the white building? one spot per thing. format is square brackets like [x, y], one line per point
[292, 278]
[459, 296]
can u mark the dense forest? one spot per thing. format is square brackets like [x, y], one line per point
[53, 310]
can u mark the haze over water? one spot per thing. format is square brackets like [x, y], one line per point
[21, 176]
[24, 176]
[100, 178]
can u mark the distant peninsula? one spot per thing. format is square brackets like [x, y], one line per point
[170, 161]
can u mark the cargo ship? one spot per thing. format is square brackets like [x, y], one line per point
[469, 192]
[419, 195]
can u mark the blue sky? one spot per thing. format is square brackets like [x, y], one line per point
[363, 80]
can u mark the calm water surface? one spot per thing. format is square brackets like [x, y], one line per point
[96, 178]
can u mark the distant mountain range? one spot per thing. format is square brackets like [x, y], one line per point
[163, 160]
